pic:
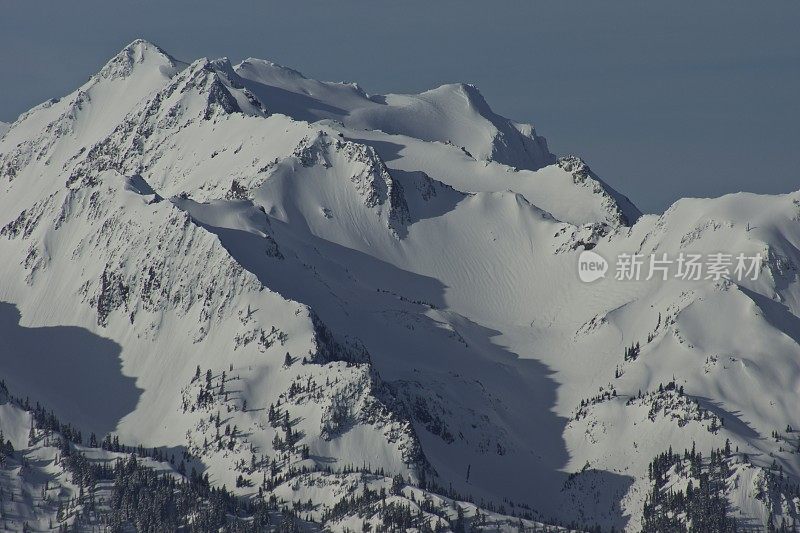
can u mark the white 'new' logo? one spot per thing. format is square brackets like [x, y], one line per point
[591, 266]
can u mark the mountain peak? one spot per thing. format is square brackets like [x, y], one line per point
[140, 45]
[466, 90]
[271, 65]
[138, 52]
[621, 210]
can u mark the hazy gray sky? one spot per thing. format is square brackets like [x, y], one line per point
[662, 99]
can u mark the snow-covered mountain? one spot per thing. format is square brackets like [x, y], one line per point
[304, 291]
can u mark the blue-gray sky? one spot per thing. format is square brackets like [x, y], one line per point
[662, 99]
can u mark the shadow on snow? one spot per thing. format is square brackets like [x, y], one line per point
[68, 369]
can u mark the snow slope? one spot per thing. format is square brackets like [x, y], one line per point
[50, 475]
[454, 114]
[277, 275]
